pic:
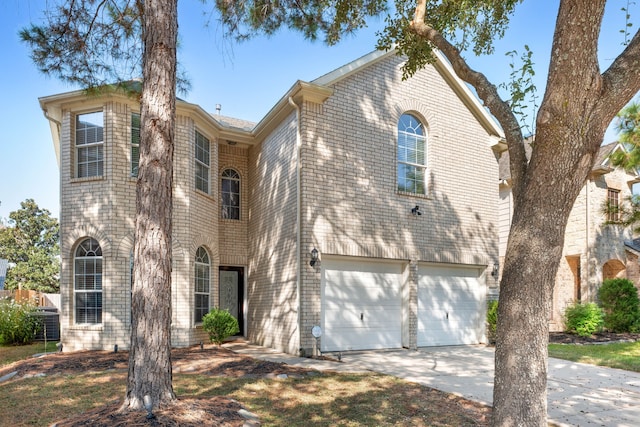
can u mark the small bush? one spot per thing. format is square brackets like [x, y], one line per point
[492, 319]
[583, 319]
[619, 300]
[18, 322]
[220, 325]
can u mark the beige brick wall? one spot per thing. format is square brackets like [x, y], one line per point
[350, 205]
[104, 208]
[272, 275]
[593, 242]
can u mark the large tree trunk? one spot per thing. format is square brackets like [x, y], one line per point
[150, 355]
[578, 106]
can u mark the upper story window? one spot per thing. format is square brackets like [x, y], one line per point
[230, 194]
[135, 143]
[202, 279]
[412, 157]
[87, 282]
[89, 144]
[613, 205]
[202, 163]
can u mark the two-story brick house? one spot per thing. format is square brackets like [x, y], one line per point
[361, 203]
[595, 248]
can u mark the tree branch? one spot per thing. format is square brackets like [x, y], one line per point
[621, 81]
[487, 92]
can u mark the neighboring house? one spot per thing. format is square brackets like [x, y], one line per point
[390, 182]
[3, 272]
[595, 248]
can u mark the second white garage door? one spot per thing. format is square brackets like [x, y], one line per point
[450, 306]
[361, 304]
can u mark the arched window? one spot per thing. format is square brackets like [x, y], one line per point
[412, 155]
[230, 194]
[202, 280]
[87, 282]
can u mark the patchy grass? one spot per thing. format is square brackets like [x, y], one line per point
[318, 400]
[13, 353]
[615, 355]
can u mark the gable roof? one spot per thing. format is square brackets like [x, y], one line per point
[318, 90]
[442, 65]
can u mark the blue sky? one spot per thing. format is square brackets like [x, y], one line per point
[247, 79]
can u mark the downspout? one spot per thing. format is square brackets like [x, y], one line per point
[588, 230]
[298, 221]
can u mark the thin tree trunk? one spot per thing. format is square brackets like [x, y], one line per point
[150, 355]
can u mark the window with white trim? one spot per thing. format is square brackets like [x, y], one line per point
[412, 155]
[135, 143]
[89, 144]
[202, 280]
[230, 194]
[87, 282]
[613, 205]
[202, 163]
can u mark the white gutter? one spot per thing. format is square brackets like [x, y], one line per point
[298, 219]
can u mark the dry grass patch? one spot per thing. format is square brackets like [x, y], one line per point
[86, 388]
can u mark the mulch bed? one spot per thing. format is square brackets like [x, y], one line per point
[599, 338]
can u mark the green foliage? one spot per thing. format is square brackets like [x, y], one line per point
[18, 324]
[621, 305]
[330, 19]
[522, 89]
[492, 319]
[627, 125]
[220, 325]
[91, 43]
[30, 243]
[583, 319]
[469, 25]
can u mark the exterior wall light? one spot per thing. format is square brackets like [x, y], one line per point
[314, 257]
[495, 271]
[416, 211]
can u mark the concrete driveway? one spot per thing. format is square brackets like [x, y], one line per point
[579, 394]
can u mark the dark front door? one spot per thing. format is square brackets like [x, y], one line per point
[232, 292]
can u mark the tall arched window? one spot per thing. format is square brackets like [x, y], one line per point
[87, 282]
[202, 280]
[230, 194]
[412, 155]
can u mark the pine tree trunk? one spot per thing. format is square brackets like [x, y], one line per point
[150, 355]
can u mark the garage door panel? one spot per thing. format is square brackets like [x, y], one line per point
[361, 305]
[450, 306]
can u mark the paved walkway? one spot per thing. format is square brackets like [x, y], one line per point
[579, 394]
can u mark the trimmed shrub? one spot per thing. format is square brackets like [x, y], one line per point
[18, 322]
[621, 306]
[492, 320]
[583, 319]
[220, 325]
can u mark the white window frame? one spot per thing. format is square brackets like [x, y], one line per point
[202, 284]
[228, 209]
[411, 129]
[96, 145]
[92, 254]
[135, 144]
[203, 161]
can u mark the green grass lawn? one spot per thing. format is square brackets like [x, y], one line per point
[617, 355]
[12, 353]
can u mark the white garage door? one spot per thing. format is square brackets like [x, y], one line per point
[450, 306]
[361, 305]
